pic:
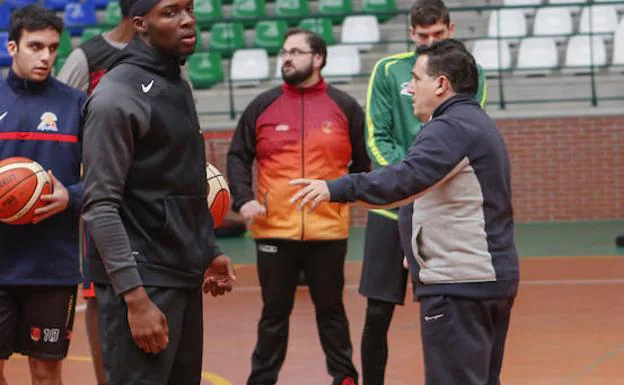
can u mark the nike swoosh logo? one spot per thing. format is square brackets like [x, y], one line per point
[3, 115]
[148, 87]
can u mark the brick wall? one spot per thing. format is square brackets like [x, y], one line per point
[562, 168]
[566, 168]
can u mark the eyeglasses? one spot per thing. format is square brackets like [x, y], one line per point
[293, 52]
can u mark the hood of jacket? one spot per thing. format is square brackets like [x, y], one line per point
[140, 54]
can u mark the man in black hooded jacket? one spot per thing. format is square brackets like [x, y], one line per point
[151, 240]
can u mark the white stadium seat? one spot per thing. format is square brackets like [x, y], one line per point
[278, 68]
[249, 66]
[362, 30]
[537, 56]
[527, 11]
[604, 19]
[618, 48]
[343, 62]
[507, 23]
[574, 9]
[578, 54]
[492, 54]
[619, 7]
[553, 21]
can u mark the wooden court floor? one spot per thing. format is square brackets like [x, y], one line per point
[567, 328]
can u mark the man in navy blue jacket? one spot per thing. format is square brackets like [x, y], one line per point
[457, 223]
[40, 119]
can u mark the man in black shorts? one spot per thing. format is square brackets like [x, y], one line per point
[390, 131]
[151, 240]
[83, 69]
[40, 119]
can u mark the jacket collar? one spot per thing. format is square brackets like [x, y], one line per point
[25, 86]
[320, 86]
[453, 100]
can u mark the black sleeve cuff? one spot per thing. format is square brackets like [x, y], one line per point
[237, 204]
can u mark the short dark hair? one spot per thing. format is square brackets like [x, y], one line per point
[33, 18]
[428, 12]
[316, 42]
[125, 6]
[451, 58]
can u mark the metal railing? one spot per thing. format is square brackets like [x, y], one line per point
[502, 75]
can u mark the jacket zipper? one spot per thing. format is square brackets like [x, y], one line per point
[302, 158]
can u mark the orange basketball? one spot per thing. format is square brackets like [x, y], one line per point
[218, 194]
[22, 182]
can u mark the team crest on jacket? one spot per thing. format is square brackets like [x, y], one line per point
[405, 89]
[48, 122]
[327, 127]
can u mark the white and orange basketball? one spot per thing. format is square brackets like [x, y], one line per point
[22, 182]
[218, 194]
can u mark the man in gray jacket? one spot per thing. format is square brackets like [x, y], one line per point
[457, 223]
[151, 240]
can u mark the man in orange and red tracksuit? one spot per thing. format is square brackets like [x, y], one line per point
[303, 128]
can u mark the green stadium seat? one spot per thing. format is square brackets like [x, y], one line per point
[90, 32]
[65, 45]
[248, 9]
[295, 9]
[207, 12]
[199, 39]
[270, 35]
[226, 38]
[383, 9]
[205, 69]
[336, 10]
[322, 26]
[112, 15]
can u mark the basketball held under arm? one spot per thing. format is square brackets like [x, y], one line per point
[22, 183]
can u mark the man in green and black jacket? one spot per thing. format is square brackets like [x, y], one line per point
[390, 130]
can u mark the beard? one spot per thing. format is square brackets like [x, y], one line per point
[297, 76]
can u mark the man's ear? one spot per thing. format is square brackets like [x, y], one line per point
[442, 85]
[12, 48]
[140, 24]
[412, 33]
[317, 60]
[451, 29]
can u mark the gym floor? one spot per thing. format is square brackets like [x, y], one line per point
[566, 327]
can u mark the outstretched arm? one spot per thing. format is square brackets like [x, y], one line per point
[438, 154]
